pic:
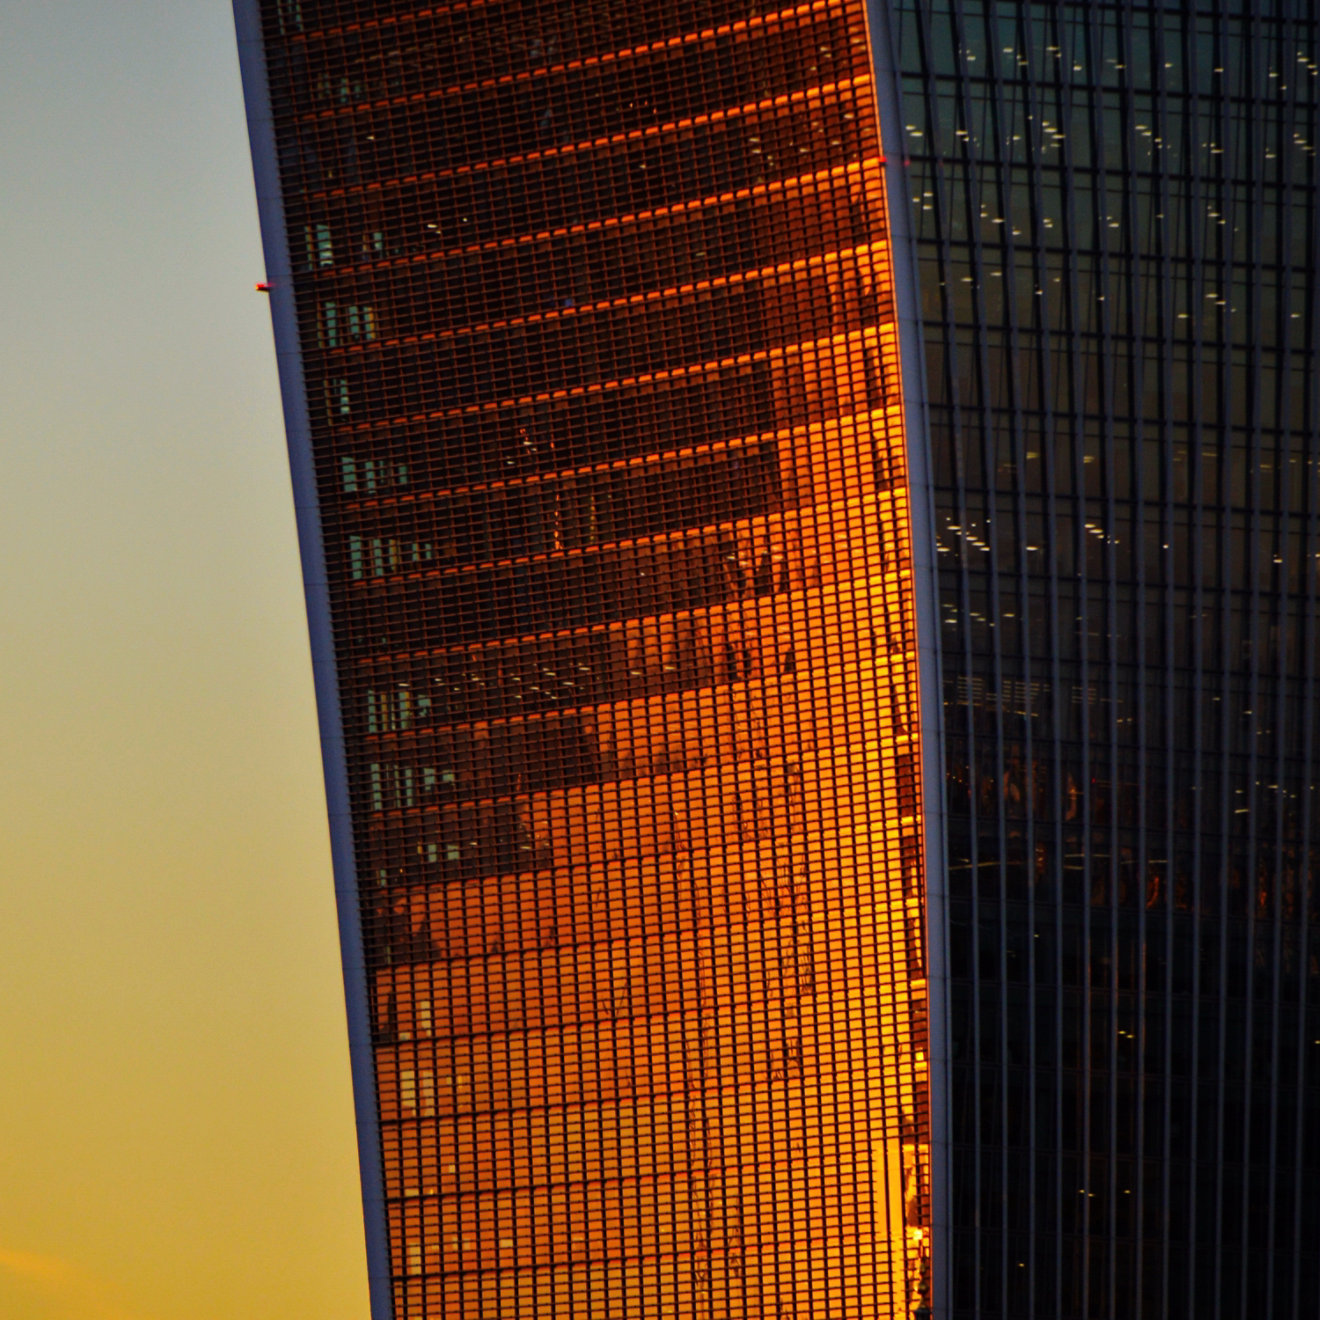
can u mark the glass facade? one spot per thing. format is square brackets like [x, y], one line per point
[587, 318]
[586, 313]
[1118, 247]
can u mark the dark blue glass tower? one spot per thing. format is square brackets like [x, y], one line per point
[1117, 243]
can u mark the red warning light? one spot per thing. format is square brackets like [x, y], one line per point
[263, 288]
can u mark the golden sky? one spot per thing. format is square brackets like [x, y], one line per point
[174, 1094]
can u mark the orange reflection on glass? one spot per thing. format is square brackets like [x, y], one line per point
[612, 454]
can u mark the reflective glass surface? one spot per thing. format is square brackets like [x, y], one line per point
[597, 333]
[1118, 243]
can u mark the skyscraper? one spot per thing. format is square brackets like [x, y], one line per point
[788, 496]
[1115, 213]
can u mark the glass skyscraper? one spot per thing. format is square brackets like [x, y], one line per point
[811, 525]
[1115, 221]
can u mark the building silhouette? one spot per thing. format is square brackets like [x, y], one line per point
[810, 520]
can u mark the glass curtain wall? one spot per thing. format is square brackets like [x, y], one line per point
[1118, 242]
[596, 322]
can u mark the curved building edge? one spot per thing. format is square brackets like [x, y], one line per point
[265, 168]
[911, 347]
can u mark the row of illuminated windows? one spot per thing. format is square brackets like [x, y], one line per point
[1211, 548]
[456, 212]
[1211, 54]
[1167, 311]
[740, 316]
[800, 382]
[575, 269]
[1116, 622]
[1193, 279]
[637, 658]
[1144, 133]
[564, 188]
[682, 572]
[1038, 218]
[1239, 468]
[693, 243]
[570, 512]
[806, 383]
[399, 142]
[542, 755]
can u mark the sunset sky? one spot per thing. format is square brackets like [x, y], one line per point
[175, 1103]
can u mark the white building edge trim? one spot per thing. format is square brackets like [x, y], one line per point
[270, 206]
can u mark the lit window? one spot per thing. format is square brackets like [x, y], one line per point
[320, 250]
[290, 16]
[359, 322]
[336, 398]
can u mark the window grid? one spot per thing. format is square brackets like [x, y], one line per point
[597, 324]
[1117, 229]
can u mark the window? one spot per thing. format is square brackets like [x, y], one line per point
[290, 16]
[349, 323]
[320, 250]
[336, 398]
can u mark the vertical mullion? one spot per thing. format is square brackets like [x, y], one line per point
[1310, 710]
[1252, 597]
[1167, 672]
[1058, 704]
[1283, 600]
[1225, 606]
[1194, 591]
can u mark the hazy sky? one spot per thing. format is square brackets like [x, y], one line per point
[174, 1088]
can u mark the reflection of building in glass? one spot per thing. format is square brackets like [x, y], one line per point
[590, 320]
[593, 379]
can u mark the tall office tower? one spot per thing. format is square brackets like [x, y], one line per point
[591, 379]
[626, 540]
[1118, 242]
